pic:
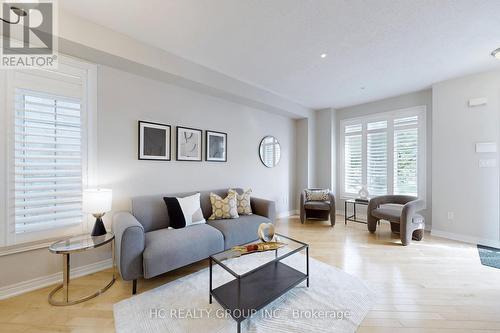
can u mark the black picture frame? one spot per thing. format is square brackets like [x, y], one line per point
[142, 143]
[179, 149]
[207, 146]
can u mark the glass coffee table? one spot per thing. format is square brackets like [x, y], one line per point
[260, 278]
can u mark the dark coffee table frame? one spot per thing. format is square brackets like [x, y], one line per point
[273, 275]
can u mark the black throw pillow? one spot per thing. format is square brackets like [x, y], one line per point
[175, 214]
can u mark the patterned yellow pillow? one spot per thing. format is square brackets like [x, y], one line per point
[243, 201]
[223, 208]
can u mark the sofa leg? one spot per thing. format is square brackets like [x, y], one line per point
[134, 287]
[418, 234]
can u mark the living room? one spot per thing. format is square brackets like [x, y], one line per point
[250, 166]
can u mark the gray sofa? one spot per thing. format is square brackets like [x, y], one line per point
[145, 247]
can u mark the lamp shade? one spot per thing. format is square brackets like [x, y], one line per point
[97, 201]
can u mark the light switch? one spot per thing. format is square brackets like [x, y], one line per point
[478, 101]
[486, 147]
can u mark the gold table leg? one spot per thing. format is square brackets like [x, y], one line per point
[66, 277]
[65, 285]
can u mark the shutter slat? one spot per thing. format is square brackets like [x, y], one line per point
[20, 127]
[50, 216]
[48, 157]
[42, 149]
[48, 122]
[47, 179]
[50, 209]
[36, 202]
[48, 194]
[31, 188]
[47, 225]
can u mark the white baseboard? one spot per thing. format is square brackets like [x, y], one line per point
[287, 214]
[465, 239]
[44, 281]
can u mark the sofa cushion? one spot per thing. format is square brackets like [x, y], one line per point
[243, 201]
[224, 208]
[390, 213]
[168, 249]
[239, 231]
[317, 205]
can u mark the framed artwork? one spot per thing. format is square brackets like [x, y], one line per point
[216, 146]
[189, 142]
[154, 141]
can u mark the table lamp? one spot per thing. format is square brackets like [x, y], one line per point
[97, 202]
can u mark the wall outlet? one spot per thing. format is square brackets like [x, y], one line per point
[451, 216]
[488, 163]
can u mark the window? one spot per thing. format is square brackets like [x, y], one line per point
[51, 116]
[385, 152]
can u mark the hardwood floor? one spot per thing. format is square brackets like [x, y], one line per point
[431, 286]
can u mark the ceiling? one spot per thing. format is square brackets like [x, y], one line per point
[375, 48]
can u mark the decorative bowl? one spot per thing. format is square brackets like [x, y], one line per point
[266, 232]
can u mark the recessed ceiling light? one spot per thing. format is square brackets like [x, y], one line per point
[323, 55]
[496, 53]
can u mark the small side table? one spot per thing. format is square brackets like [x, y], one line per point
[353, 217]
[73, 245]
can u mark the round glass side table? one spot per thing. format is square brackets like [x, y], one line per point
[73, 245]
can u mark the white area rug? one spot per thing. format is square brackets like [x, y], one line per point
[334, 302]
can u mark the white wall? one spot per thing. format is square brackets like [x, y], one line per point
[301, 157]
[423, 97]
[459, 185]
[324, 145]
[126, 98]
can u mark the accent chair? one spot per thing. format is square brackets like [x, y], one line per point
[317, 209]
[401, 212]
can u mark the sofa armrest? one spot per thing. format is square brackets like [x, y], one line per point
[410, 209]
[333, 210]
[302, 208]
[263, 207]
[129, 245]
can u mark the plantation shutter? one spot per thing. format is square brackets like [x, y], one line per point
[48, 160]
[353, 159]
[376, 172]
[406, 156]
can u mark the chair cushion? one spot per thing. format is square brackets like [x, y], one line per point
[168, 249]
[390, 213]
[317, 195]
[317, 205]
[239, 231]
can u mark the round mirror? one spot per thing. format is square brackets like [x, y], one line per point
[270, 151]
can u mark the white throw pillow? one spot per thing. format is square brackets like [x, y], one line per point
[191, 209]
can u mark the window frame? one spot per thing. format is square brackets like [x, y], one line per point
[88, 74]
[419, 111]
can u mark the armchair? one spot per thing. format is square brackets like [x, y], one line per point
[404, 219]
[317, 209]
